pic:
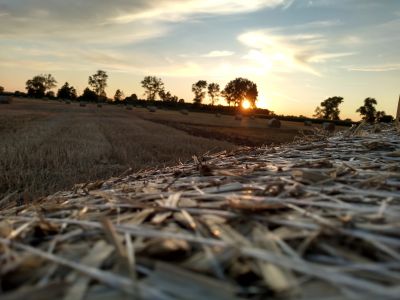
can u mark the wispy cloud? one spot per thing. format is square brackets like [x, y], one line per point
[375, 68]
[218, 53]
[180, 10]
[288, 53]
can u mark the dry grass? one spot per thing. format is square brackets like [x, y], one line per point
[48, 146]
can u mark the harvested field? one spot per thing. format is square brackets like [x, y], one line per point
[318, 219]
[48, 146]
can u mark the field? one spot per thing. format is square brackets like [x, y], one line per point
[46, 146]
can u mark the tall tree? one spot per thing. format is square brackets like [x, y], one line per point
[66, 92]
[240, 89]
[153, 86]
[1, 89]
[98, 82]
[198, 89]
[368, 110]
[329, 109]
[167, 96]
[119, 95]
[89, 95]
[36, 86]
[213, 92]
[39, 84]
[49, 81]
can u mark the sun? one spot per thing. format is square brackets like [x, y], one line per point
[246, 104]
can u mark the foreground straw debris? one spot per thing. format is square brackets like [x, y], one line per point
[317, 219]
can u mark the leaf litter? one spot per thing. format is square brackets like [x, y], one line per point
[315, 219]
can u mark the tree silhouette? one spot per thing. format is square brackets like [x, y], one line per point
[39, 84]
[98, 82]
[240, 89]
[89, 95]
[167, 97]
[198, 90]
[153, 86]
[119, 95]
[36, 87]
[213, 92]
[368, 110]
[329, 109]
[49, 81]
[66, 92]
[1, 90]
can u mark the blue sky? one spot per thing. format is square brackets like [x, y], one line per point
[299, 52]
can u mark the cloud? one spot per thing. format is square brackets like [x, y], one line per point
[375, 68]
[218, 53]
[180, 10]
[288, 53]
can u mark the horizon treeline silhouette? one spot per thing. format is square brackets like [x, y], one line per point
[234, 93]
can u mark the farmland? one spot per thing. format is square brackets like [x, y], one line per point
[46, 146]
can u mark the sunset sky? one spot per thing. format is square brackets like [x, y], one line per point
[299, 52]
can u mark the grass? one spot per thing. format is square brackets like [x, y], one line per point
[50, 146]
[47, 146]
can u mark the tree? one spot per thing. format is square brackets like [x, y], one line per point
[167, 96]
[66, 92]
[153, 86]
[198, 90]
[36, 86]
[213, 92]
[240, 89]
[119, 95]
[98, 82]
[329, 109]
[39, 84]
[368, 110]
[1, 90]
[49, 81]
[89, 95]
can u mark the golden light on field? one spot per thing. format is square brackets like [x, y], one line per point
[246, 104]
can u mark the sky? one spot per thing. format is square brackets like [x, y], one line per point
[298, 52]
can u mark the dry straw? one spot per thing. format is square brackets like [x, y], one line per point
[317, 219]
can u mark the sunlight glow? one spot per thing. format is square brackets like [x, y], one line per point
[246, 104]
[262, 102]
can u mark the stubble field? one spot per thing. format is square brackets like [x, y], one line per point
[46, 146]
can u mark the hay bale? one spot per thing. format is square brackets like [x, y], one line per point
[81, 104]
[129, 108]
[99, 105]
[238, 117]
[274, 123]
[151, 108]
[67, 102]
[307, 123]
[184, 111]
[252, 117]
[218, 115]
[5, 100]
[328, 126]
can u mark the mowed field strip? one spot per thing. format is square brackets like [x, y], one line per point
[48, 146]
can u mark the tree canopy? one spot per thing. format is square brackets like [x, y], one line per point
[89, 95]
[329, 109]
[213, 92]
[239, 89]
[1, 89]
[368, 110]
[67, 92]
[39, 84]
[98, 82]
[198, 89]
[153, 86]
[119, 95]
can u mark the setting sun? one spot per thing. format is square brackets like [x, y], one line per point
[246, 104]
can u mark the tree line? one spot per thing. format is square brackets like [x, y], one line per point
[235, 92]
